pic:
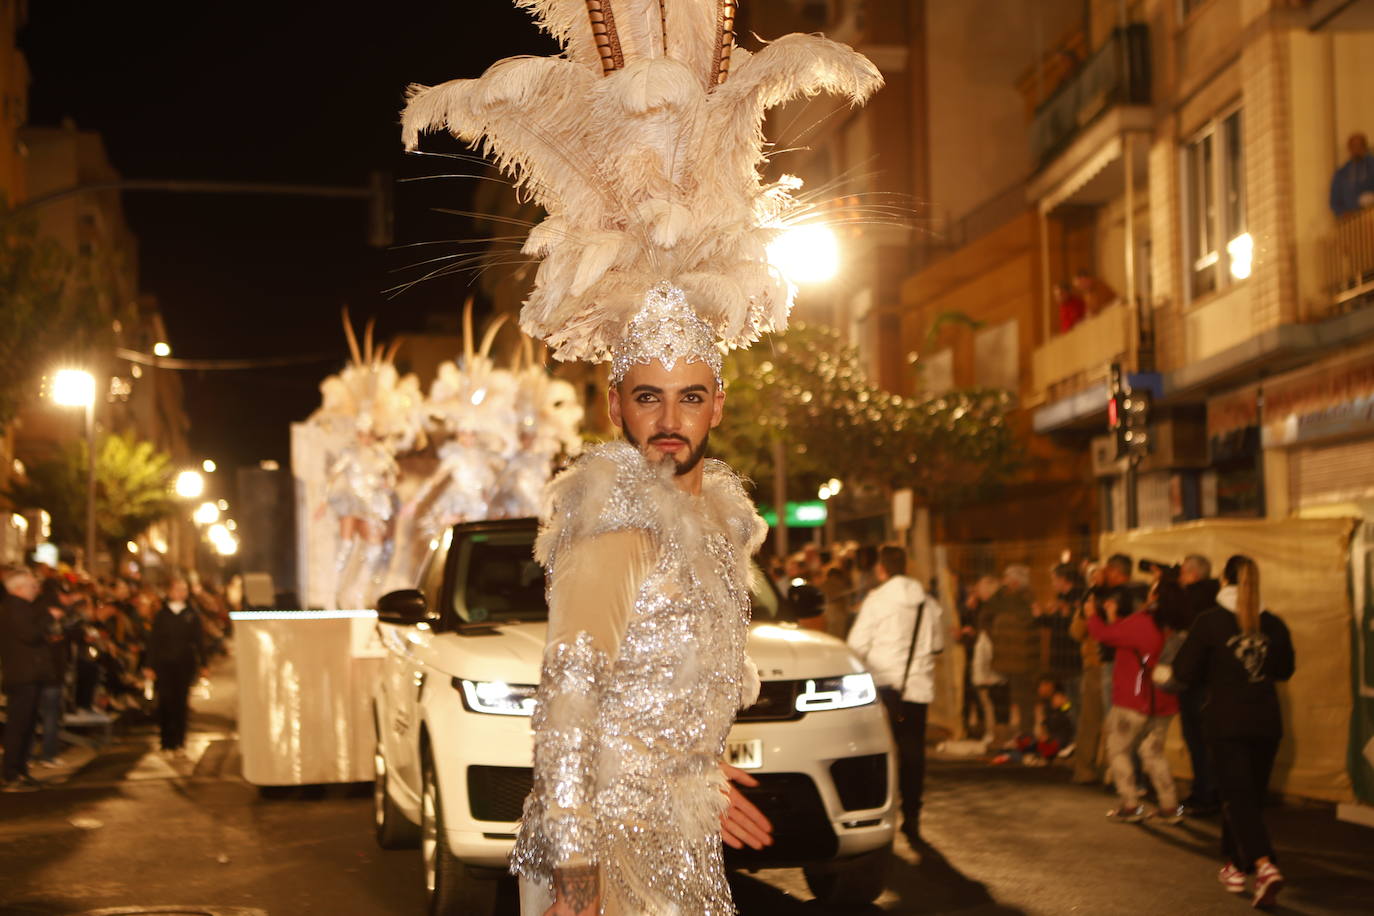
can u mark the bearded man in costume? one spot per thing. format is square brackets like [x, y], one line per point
[643, 142]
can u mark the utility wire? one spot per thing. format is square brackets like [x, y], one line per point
[265, 362]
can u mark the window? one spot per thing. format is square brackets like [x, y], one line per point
[1218, 243]
[996, 357]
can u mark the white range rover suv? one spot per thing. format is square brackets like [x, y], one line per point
[453, 749]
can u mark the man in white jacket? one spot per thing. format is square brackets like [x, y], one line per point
[898, 633]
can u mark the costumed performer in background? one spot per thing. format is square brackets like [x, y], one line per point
[547, 417]
[473, 403]
[369, 414]
[642, 142]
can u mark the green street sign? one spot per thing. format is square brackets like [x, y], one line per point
[799, 515]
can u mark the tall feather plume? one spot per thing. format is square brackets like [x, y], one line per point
[644, 143]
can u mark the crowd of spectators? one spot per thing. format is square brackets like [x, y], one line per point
[84, 650]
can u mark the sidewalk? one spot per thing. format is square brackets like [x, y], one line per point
[1039, 844]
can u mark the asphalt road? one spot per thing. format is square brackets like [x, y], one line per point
[134, 831]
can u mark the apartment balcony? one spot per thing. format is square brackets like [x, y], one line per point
[1079, 358]
[1116, 74]
[1348, 264]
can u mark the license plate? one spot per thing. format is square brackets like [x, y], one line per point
[747, 755]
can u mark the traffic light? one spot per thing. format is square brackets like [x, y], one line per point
[1128, 415]
[1136, 422]
[1117, 400]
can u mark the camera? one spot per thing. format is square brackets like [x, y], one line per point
[1166, 571]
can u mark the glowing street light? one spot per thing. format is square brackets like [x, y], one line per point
[190, 485]
[208, 466]
[162, 348]
[73, 388]
[206, 514]
[806, 254]
[224, 543]
[76, 388]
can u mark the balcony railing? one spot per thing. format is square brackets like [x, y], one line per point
[1118, 73]
[1070, 362]
[1348, 260]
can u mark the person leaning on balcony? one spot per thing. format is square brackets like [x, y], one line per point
[1352, 187]
[1071, 307]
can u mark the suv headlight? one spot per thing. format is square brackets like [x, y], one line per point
[496, 697]
[837, 693]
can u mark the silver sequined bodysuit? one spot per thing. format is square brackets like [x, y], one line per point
[637, 695]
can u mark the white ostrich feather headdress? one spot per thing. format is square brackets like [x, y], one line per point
[643, 142]
[369, 396]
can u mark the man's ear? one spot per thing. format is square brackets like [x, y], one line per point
[717, 407]
[613, 405]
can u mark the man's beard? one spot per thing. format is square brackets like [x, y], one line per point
[685, 466]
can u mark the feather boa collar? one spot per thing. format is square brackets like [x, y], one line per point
[613, 487]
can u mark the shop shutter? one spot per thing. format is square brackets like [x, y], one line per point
[1326, 473]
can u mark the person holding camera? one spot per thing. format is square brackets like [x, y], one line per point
[1237, 653]
[1139, 718]
[899, 631]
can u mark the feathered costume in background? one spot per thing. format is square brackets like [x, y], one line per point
[547, 421]
[369, 414]
[643, 142]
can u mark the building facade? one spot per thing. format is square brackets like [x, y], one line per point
[1141, 184]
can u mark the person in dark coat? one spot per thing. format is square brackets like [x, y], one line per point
[27, 666]
[175, 659]
[1199, 595]
[1009, 620]
[1237, 654]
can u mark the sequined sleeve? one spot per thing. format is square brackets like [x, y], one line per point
[592, 591]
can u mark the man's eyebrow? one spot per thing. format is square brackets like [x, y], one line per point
[693, 388]
[651, 389]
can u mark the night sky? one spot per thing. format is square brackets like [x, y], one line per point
[284, 92]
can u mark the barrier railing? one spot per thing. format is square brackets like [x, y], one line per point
[1349, 259]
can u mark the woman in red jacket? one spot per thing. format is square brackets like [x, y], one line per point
[1140, 714]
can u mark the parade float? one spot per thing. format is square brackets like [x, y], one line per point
[382, 469]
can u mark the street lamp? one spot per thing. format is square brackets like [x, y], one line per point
[190, 485]
[76, 388]
[806, 254]
[162, 348]
[208, 466]
[206, 514]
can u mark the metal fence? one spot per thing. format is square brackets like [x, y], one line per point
[1349, 258]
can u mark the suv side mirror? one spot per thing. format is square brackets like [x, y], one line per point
[806, 600]
[405, 607]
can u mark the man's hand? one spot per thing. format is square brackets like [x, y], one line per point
[1112, 609]
[149, 674]
[743, 824]
[576, 891]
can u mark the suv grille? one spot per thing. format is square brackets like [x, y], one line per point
[861, 781]
[801, 829]
[498, 793]
[777, 702]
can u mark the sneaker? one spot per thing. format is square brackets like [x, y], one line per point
[1232, 878]
[1170, 815]
[1268, 883]
[16, 785]
[1124, 815]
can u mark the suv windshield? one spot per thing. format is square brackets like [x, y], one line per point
[498, 580]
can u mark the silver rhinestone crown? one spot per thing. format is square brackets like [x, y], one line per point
[668, 330]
